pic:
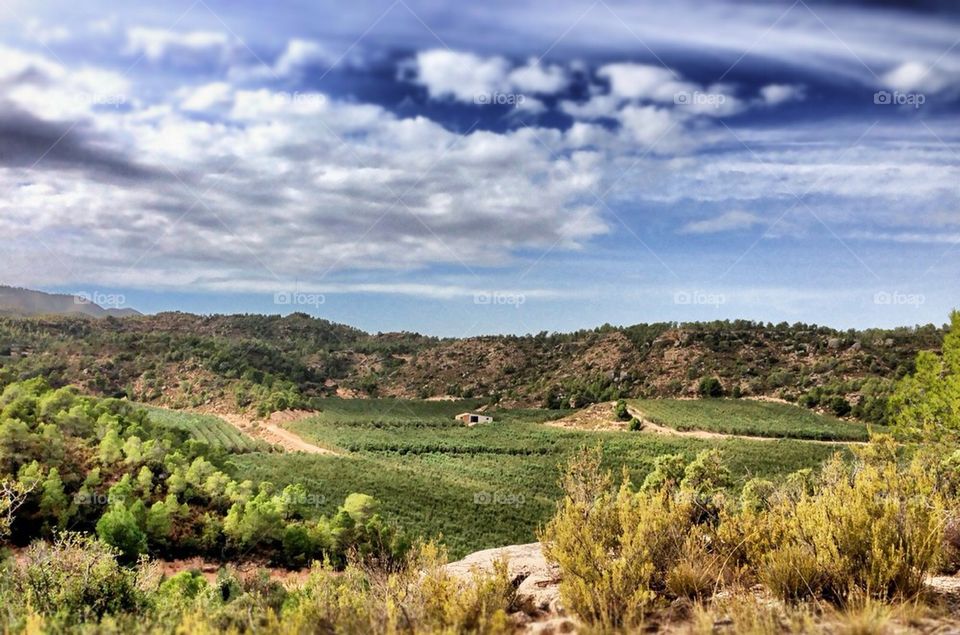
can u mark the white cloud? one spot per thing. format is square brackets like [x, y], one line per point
[473, 79]
[597, 107]
[728, 221]
[282, 196]
[537, 78]
[915, 76]
[180, 48]
[644, 81]
[776, 94]
[302, 53]
[652, 127]
[206, 97]
[462, 76]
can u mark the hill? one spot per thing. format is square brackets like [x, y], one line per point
[266, 363]
[26, 302]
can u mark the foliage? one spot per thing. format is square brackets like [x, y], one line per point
[74, 579]
[621, 550]
[927, 402]
[144, 484]
[620, 410]
[869, 529]
[710, 387]
[750, 417]
[486, 485]
[77, 585]
[262, 363]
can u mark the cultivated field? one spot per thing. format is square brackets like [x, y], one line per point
[749, 417]
[207, 428]
[485, 486]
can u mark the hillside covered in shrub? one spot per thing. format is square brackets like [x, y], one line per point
[263, 364]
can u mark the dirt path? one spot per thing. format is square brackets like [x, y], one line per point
[271, 431]
[650, 426]
[596, 417]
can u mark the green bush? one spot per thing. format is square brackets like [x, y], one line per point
[871, 529]
[620, 410]
[76, 578]
[710, 387]
[621, 550]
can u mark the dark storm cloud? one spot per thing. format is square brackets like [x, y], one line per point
[29, 142]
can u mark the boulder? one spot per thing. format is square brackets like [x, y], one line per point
[537, 582]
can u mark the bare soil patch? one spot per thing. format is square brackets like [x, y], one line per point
[598, 416]
[273, 432]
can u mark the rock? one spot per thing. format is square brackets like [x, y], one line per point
[554, 626]
[537, 582]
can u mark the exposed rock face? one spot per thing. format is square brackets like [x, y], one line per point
[537, 583]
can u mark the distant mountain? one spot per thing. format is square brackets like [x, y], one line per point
[25, 302]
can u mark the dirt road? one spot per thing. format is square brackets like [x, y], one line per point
[271, 431]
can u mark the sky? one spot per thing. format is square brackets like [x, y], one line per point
[461, 169]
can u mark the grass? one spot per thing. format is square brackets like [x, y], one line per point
[479, 487]
[749, 417]
[207, 428]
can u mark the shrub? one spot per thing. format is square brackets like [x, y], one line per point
[76, 578]
[872, 529]
[635, 425]
[757, 495]
[621, 550]
[120, 529]
[710, 387]
[620, 410]
[840, 406]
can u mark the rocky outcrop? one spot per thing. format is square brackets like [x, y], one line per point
[537, 583]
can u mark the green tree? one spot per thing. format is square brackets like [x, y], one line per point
[111, 447]
[54, 503]
[118, 528]
[927, 403]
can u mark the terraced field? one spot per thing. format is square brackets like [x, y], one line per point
[749, 417]
[485, 486]
[209, 429]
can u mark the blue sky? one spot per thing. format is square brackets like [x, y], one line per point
[460, 169]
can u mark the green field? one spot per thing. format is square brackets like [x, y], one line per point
[749, 417]
[207, 428]
[479, 487]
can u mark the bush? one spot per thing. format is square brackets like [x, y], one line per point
[120, 529]
[872, 529]
[76, 578]
[840, 406]
[620, 410]
[621, 550]
[710, 387]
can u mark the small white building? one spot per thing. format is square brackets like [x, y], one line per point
[472, 418]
